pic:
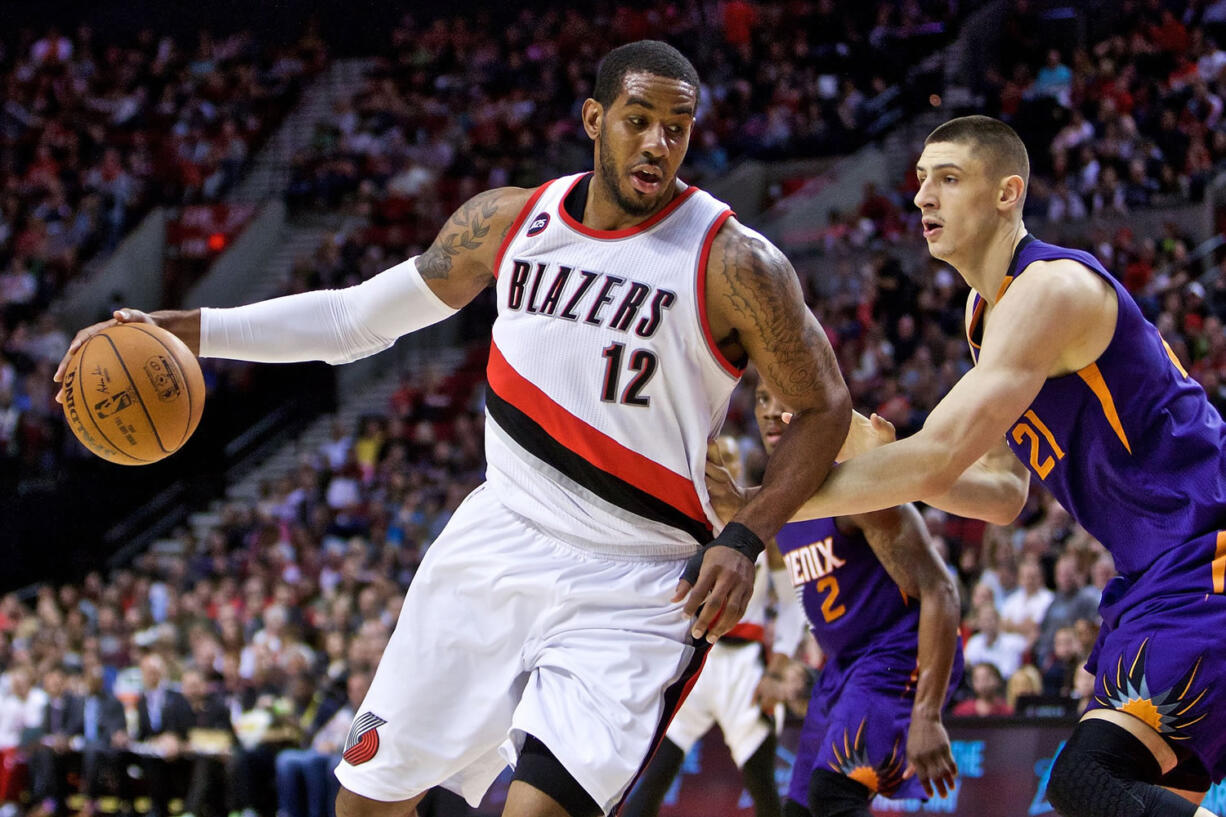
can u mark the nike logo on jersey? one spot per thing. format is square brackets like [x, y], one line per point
[812, 561]
[596, 298]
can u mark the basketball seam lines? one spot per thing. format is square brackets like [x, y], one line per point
[183, 376]
[88, 412]
[139, 399]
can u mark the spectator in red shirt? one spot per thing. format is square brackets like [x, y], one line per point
[739, 17]
[989, 698]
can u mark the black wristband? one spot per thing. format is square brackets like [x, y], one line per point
[735, 536]
[741, 539]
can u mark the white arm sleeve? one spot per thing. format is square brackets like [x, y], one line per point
[332, 325]
[790, 624]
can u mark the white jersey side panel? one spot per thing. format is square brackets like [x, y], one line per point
[604, 386]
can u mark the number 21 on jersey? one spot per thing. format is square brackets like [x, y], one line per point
[1042, 458]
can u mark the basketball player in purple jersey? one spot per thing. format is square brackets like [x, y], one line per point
[1090, 398]
[885, 612]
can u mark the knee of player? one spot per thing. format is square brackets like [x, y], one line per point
[1105, 771]
[1062, 782]
[837, 795]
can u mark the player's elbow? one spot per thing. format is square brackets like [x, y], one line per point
[939, 590]
[1010, 498]
[836, 414]
[940, 473]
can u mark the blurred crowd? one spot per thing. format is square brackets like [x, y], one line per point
[1130, 121]
[471, 102]
[202, 672]
[205, 671]
[92, 134]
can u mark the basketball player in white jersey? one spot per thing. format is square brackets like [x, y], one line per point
[737, 689]
[552, 624]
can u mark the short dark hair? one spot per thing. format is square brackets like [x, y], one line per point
[993, 142]
[646, 56]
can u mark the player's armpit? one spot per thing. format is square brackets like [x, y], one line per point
[460, 262]
[756, 310]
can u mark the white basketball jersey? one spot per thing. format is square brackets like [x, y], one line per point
[604, 382]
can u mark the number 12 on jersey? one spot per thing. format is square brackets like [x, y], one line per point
[642, 363]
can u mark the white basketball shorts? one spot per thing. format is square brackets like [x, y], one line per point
[723, 695]
[506, 632]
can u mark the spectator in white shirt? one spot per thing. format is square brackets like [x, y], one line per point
[21, 708]
[989, 645]
[336, 450]
[1025, 607]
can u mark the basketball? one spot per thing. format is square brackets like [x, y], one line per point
[133, 393]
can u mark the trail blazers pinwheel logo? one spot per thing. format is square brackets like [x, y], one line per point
[852, 760]
[363, 739]
[1169, 712]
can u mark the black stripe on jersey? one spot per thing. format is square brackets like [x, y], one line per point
[672, 702]
[612, 489]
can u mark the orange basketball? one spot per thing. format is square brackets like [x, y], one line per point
[133, 393]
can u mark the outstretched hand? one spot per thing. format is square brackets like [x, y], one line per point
[120, 316]
[865, 434]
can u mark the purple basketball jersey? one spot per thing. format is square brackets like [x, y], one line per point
[1132, 448]
[849, 598]
[860, 709]
[1129, 445]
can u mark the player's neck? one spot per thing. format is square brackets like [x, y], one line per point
[602, 212]
[986, 273]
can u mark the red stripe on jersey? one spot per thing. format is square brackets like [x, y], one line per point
[625, 232]
[516, 224]
[702, 295]
[590, 443]
[748, 631]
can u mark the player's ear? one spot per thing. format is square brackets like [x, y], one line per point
[593, 114]
[1012, 192]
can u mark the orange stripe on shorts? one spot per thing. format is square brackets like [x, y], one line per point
[1219, 564]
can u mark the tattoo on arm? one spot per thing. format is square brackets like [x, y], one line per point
[762, 289]
[466, 230]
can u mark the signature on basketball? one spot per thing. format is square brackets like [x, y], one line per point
[104, 377]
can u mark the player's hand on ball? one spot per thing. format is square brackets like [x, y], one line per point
[929, 757]
[120, 316]
[720, 593]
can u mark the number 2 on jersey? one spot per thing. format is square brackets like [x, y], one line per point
[829, 611]
[642, 363]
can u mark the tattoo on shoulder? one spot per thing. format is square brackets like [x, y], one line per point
[467, 230]
[763, 293]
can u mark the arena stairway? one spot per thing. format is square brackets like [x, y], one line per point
[371, 397]
[269, 173]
